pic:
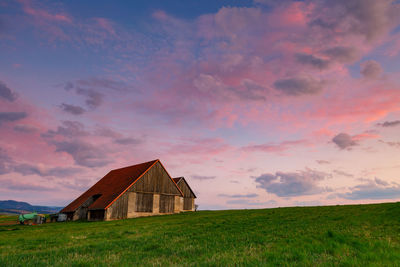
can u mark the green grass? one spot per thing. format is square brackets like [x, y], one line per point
[356, 235]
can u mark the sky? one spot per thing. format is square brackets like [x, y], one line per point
[258, 104]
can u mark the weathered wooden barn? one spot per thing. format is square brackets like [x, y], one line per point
[140, 190]
[188, 194]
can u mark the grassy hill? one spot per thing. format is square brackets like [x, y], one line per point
[303, 236]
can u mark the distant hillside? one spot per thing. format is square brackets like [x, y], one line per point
[16, 207]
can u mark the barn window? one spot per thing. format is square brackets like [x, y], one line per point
[167, 204]
[144, 202]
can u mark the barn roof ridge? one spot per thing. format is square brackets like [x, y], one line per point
[154, 160]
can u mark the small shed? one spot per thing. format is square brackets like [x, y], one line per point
[188, 194]
[140, 190]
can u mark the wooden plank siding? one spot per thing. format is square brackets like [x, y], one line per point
[185, 189]
[167, 203]
[119, 209]
[187, 203]
[189, 197]
[144, 202]
[156, 180]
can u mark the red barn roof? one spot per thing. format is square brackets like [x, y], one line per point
[111, 186]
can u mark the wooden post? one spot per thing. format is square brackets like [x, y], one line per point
[156, 203]
[177, 204]
[131, 204]
[76, 215]
[181, 203]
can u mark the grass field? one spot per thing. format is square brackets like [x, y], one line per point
[357, 235]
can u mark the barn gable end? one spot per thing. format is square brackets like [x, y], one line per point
[154, 193]
[188, 194]
[156, 180]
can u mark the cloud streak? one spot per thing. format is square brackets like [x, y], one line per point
[276, 148]
[72, 109]
[371, 69]
[29, 169]
[83, 153]
[251, 195]
[12, 116]
[298, 86]
[373, 189]
[389, 123]
[6, 93]
[202, 177]
[292, 184]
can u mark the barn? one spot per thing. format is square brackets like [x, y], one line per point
[140, 190]
[188, 194]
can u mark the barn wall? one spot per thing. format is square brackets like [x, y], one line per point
[188, 203]
[167, 204]
[144, 202]
[188, 200]
[119, 209]
[185, 189]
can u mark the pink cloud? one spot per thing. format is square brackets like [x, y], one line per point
[366, 135]
[394, 46]
[43, 14]
[160, 15]
[55, 25]
[365, 104]
[294, 14]
[106, 24]
[277, 147]
[221, 76]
